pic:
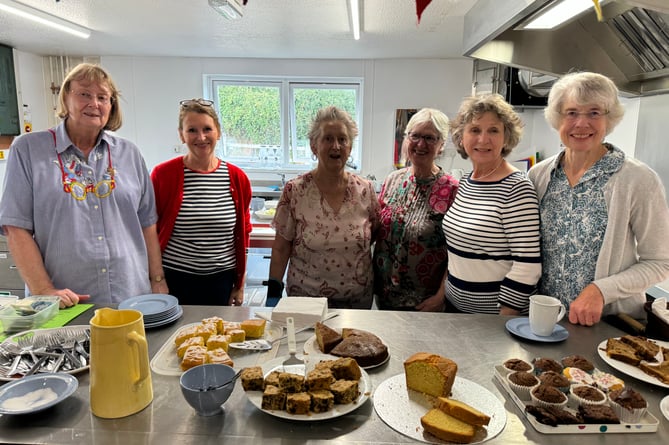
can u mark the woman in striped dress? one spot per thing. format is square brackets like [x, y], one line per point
[204, 220]
[492, 228]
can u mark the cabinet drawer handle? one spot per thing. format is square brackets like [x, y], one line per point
[13, 267]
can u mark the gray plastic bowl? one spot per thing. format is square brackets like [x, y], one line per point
[210, 401]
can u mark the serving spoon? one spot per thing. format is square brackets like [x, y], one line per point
[214, 387]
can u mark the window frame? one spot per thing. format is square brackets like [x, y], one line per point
[287, 85]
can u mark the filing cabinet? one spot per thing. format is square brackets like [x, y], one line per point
[10, 279]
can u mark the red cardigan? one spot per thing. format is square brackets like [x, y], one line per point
[168, 184]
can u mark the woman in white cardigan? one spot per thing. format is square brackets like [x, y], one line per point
[604, 216]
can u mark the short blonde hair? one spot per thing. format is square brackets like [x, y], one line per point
[95, 74]
[473, 107]
[329, 114]
[194, 106]
[584, 88]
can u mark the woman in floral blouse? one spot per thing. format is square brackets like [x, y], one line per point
[604, 216]
[325, 222]
[410, 255]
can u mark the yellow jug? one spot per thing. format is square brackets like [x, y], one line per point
[120, 375]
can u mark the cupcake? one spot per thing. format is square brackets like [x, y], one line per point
[555, 379]
[578, 361]
[545, 395]
[629, 405]
[545, 364]
[516, 364]
[607, 382]
[522, 382]
[586, 395]
[578, 376]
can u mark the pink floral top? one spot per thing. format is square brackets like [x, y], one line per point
[331, 254]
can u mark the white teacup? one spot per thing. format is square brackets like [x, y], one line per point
[545, 312]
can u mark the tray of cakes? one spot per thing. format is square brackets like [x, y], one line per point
[572, 396]
[366, 348]
[208, 341]
[639, 357]
[431, 404]
[325, 387]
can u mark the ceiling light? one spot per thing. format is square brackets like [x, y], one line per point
[43, 18]
[556, 14]
[354, 9]
[229, 9]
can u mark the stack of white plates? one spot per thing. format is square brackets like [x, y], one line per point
[158, 309]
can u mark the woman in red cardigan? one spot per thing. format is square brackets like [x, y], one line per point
[204, 221]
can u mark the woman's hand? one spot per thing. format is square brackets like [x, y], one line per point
[68, 298]
[435, 303]
[504, 310]
[236, 297]
[587, 308]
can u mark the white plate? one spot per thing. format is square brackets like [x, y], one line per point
[664, 407]
[264, 214]
[51, 331]
[166, 362]
[311, 347]
[521, 327]
[630, 370]
[36, 393]
[310, 361]
[401, 409]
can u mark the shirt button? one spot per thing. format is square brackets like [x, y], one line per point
[103, 270]
[99, 238]
[95, 207]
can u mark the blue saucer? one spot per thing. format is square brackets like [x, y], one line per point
[521, 327]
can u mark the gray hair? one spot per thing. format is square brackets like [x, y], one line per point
[329, 114]
[584, 88]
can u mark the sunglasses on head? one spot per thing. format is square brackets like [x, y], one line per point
[190, 102]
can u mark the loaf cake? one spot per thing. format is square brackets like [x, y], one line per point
[621, 351]
[366, 348]
[326, 337]
[660, 371]
[462, 411]
[645, 349]
[430, 374]
[447, 427]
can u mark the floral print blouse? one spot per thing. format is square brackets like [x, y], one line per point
[410, 256]
[573, 222]
[331, 255]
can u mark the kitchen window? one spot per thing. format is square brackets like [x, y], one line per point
[265, 120]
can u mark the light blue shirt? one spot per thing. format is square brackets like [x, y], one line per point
[94, 245]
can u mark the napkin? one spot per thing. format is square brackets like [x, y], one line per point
[659, 308]
[306, 311]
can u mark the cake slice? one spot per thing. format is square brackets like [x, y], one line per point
[623, 352]
[660, 371]
[430, 374]
[326, 337]
[462, 411]
[645, 349]
[446, 427]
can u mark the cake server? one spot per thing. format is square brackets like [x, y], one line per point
[292, 363]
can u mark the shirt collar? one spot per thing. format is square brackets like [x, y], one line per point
[63, 141]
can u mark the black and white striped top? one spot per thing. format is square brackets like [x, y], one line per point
[202, 240]
[493, 239]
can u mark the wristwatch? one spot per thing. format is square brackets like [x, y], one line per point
[158, 278]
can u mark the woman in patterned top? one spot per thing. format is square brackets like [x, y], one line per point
[492, 228]
[605, 221]
[325, 222]
[410, 252]
[204, 219]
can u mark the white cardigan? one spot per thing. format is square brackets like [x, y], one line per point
[635, 250]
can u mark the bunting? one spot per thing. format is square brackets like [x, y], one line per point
[420, 7]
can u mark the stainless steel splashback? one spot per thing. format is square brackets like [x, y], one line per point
[631, 45]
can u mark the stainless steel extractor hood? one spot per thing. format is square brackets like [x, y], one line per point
[631, 45]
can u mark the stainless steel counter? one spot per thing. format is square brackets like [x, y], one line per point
[476, 342]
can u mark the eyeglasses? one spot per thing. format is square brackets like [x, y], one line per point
[88, 97]
[79, 190]
[429, 139]
[592, 115]
[190, 102]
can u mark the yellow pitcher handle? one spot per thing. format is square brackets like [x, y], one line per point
[143, 352]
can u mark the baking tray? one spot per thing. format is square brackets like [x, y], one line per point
[647, 424]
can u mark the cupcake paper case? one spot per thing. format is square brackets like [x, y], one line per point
[545, 395]
[521, 383]
[586, 395]
[629, 405]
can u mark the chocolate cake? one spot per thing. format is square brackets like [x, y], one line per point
[555, 379]
[553, 416]
[366, 348]
[578, 361]
[597, 414]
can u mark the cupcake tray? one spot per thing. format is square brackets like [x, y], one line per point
[647, 424]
